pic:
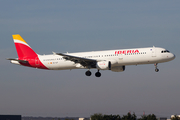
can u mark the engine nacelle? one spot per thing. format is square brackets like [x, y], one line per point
[103, 65]
[118, 68]
[114, 62]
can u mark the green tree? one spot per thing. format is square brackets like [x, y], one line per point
[69, 119]
[97, 116]
[149, 117]
[129, 117]
[111, 117]
[175, 117]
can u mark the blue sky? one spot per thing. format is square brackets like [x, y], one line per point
[75, 26]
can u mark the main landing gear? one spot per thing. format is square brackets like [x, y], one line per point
[156, 69]
[97, 74]
[88, 73]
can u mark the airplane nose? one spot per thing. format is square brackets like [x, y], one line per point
[173, 56]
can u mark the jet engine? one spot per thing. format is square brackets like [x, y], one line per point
[103, 65]
[118, 68]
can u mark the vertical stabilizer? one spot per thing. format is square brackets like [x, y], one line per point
[24, 51]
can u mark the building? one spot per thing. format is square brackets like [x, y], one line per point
[174, 116]
[10, 117]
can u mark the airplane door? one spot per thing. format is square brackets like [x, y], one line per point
[153, 51]
[37, 61]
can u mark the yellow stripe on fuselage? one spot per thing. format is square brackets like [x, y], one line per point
[18, 37]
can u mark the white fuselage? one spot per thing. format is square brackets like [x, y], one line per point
[122, 57]
[114, 60]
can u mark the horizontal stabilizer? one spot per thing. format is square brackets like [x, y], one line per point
[23, 61]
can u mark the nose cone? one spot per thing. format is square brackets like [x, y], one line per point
[172, 56]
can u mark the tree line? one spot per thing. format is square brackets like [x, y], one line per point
[129, 116]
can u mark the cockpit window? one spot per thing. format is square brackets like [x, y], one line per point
[165, 51]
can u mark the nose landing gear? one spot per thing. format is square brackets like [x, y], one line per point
[156, 69]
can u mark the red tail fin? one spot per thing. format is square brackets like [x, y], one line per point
[26, 54]
[24, 51]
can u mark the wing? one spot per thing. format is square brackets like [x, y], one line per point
[83, 61]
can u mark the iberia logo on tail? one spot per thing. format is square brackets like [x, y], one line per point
[26, 53]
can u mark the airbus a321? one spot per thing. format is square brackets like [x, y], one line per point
[114, 60]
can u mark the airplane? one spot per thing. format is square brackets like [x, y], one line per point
[114, 60]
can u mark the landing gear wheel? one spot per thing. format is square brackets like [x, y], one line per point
[98, 74]
[88, 73]
[157, 70]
